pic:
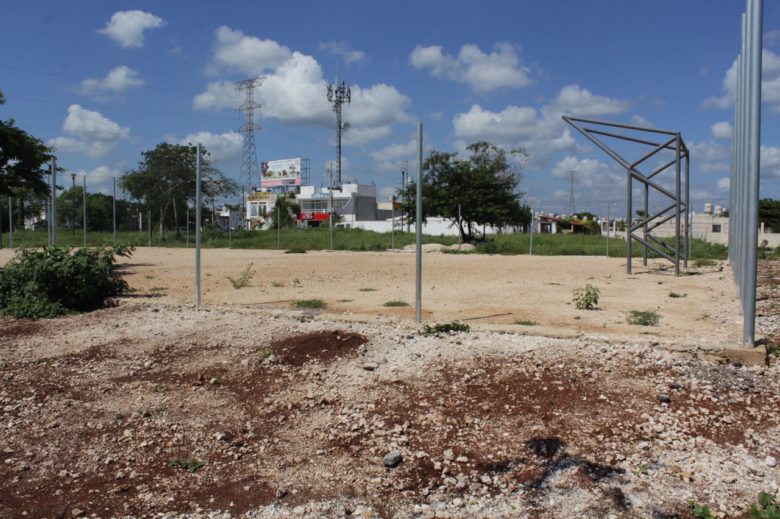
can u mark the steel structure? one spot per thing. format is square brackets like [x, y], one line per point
[677, 210]
[338, 94]
[745, 167]
[249, 167]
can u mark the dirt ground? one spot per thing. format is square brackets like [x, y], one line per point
[482, 290]
[154, 408]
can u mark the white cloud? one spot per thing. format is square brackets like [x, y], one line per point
[127, 27]
[342, 49]
[638, 120]
[234, 51]
[218, 96]
[539, 132]
[118, 80]
[770, 160]
[723, 184]
[589, 173]
[721, 130]
[578, 101]
[222, 146]
[89, 132]
[770, 84]
[708, 151]
[483, 72]
[295, 93]
[390, 157]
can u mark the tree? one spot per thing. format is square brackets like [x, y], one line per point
[483, 186]
[22, 160]
[769, 213]
[287, 211]
[165, 180]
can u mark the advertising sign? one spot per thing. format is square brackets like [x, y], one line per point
[285, 172]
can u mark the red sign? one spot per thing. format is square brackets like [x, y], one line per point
[317, 217]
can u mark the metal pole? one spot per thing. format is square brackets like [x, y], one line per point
[677, 207]
[113, 209]
[149, 225]
[84, 200]
[418, 227]
[197, 226]
[459, 223]
[188, 226]
[645, 216]
[278, 235]
[629, 210]
[531, 242]
[330, 207]
[54, 201]
[10, 222]
[688, 214]
[755, 35]
[392, 223]
[609, 208]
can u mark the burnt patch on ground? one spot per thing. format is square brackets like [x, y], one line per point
[324, 346]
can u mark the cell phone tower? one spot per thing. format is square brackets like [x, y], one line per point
[249, 168]
[338, 94]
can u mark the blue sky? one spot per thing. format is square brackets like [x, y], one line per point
[103, 81]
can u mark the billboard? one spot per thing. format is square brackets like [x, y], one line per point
[285, 172]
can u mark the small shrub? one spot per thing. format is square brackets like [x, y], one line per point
[487, 247]
[586, 298]
[277, 284]
[526, 322]
[296, 250]
[453, 327]
[765, 508]
[641, 318]
[55, 281]
[243, 279]
[191, 465]
[675, 295]
[700, 511]
[368, 289]
[396, 303]
[309, 303]
[704, 263]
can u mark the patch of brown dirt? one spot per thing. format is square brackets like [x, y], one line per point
[321, 346]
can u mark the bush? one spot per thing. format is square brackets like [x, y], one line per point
[57, 280]
[640, 318]
[586, 298]
[309, 303]
[453, 327]
[396, 303]
[765, 508]
[243, 279]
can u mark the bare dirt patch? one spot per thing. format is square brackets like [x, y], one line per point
[321, 346]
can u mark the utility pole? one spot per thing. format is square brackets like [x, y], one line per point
[249, 168]
[338, 94]
[571, 192]
[404, 176]
[197, 226]
[330, 205]
[54, 201]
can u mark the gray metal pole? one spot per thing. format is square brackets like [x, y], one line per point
[188, 227]
[531, 241]
[330, 208]
[629, 210]
[418, 228]
[113, 211]
[197, 226]
[278, 232]
[688, 214]
[392, 224]
[609, 208]
[459, 223]
[10, 222]
[84, 203]
[54, 201]
[677, 188]
[755, 35]
[645, 216]
[149, 225]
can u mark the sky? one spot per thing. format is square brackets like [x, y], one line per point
[104, 81]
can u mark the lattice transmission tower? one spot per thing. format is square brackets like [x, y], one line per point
[338, 94]
[571, 192]
[249, 167]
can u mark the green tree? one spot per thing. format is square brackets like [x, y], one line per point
[164, 181]
[22, 160]
[769, 213]
[483, 185]
[287, 210]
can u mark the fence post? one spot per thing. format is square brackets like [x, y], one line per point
[418, 227]
[84, 200]
[197, 227]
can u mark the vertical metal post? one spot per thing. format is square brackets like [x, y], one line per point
[644, 217]
[188, 226]
[84, 203]
[460, 239]
[278, 232]
[330, 208]
[197, 226]
[755, 35]
[677, 188]
[113, 211]
[392, 223]
[149, 225]
[54, 201]
[10, 222]
[609, 208]
[418, 228]
[531, 241]
[688, 215]
[629, 211]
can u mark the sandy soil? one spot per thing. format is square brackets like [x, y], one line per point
[481, 290]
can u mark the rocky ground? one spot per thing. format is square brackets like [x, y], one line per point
[151, 409]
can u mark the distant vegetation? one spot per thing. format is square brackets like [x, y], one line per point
[360, 240]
